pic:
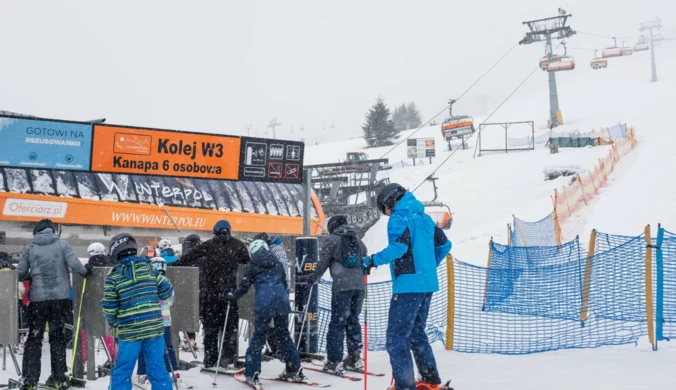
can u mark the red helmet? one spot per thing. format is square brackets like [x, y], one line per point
[149, 252]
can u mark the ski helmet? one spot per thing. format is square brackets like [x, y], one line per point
[222, 225]
[159, 264]
[335, 222]
[256, 245]
[96, 249]
[262, 236]
[148, 251]
[388, 196]
[190, 242]
[122, 244]
[164, 244]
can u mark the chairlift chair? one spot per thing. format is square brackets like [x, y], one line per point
[438, 211]
[641, 44]
[658, 37]
[457, 126]
[626, 50]
[612, 51]
[564, 62]
[598, 62]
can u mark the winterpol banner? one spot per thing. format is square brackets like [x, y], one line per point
[130, 150]
[31, 143]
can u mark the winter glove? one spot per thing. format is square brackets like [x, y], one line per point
[368, 264]
[89, 269]
[230, 298]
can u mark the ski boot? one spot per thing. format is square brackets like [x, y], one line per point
[182, 385]
[254, 382]
[141, 381]
[334, 368]
[293, 376]
[354, 362]
[422, 385]
[58, 383]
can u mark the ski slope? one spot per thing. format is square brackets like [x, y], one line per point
[485, 192]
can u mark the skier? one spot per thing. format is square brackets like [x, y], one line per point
[166, 251]
[190, 242]
[98, 258]
[131, 304]
[218, 259]
[415, 250]
[271, 303]
[342, 253]
[141, 379]
[45, 263]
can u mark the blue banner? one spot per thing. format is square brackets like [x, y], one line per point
[31, 143]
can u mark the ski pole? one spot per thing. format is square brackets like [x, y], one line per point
[76, 336]
[366, 330]
[302, 325]
[220, 349]
[194, 355]
[112, 368]
[167, 360]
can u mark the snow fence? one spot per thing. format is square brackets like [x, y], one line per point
[570, 199]
[537, 299]
[545, 232]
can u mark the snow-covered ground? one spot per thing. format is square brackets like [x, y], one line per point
[486, 191]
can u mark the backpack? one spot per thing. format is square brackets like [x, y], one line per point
[350, 249]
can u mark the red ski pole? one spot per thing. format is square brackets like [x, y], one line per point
[366, 330]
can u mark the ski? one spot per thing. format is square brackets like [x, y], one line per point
[307, 366]
[240, 377]
[321, 364]
[224, 371]
[305, 382]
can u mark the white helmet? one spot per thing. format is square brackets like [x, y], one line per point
[159, 264]
[96, 249]
[164, 244]
[256, 245]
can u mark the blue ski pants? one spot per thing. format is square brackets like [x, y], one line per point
[285, 344]
[406, 334]
[345, 310]
[153, 353]
[141, 369]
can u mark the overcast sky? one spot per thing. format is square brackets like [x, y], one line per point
[217, 66]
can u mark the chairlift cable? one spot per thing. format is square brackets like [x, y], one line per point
[480, 128]
[448, 106]
[603, 36]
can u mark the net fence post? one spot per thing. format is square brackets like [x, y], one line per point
[587, 277]
[557, 226]
[649, 288]
[450, 321]
[488, 268]
[659, 305]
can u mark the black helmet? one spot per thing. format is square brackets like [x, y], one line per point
[262, 236]
[388, 195]
[335, 222]
[190, 242]
[122, 244]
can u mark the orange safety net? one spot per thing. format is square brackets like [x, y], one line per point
[570, 199]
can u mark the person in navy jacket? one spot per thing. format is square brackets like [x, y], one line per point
[416, 247]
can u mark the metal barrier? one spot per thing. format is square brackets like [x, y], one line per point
[9, 316]
[307, 256]
[185, 312]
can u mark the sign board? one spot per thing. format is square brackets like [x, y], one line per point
[164, 153]
[263, 159]
[420, 147]
[46, 144]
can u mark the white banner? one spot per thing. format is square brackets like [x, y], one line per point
[34, 208]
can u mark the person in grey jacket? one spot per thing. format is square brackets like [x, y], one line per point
[45, 264]
[340, 254]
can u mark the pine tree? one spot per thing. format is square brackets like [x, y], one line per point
[400, 117]
[414, 118]
[379, 128]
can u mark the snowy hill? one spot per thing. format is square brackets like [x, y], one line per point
[485, 192]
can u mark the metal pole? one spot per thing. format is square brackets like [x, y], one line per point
[307, 211]
[553, 93]
[653, 77]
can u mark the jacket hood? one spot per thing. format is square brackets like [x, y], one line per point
[264, 259]
[409, 203]
[345, 230]
[45, 237]
[128, 266]
[169, 252]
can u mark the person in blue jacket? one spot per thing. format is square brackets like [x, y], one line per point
[266, 273]
[166, 251]
[416, 247]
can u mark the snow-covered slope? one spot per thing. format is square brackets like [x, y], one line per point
[484, 192]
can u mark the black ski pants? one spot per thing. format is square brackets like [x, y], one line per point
[213, 320]
[55, 313]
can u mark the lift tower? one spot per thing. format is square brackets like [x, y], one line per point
[650, 26]
[544, 30]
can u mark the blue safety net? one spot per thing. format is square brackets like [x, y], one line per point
[606, 241]
[540, 233]
[665, 286]
[506, 256]
[378, 296]
[573, 304]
